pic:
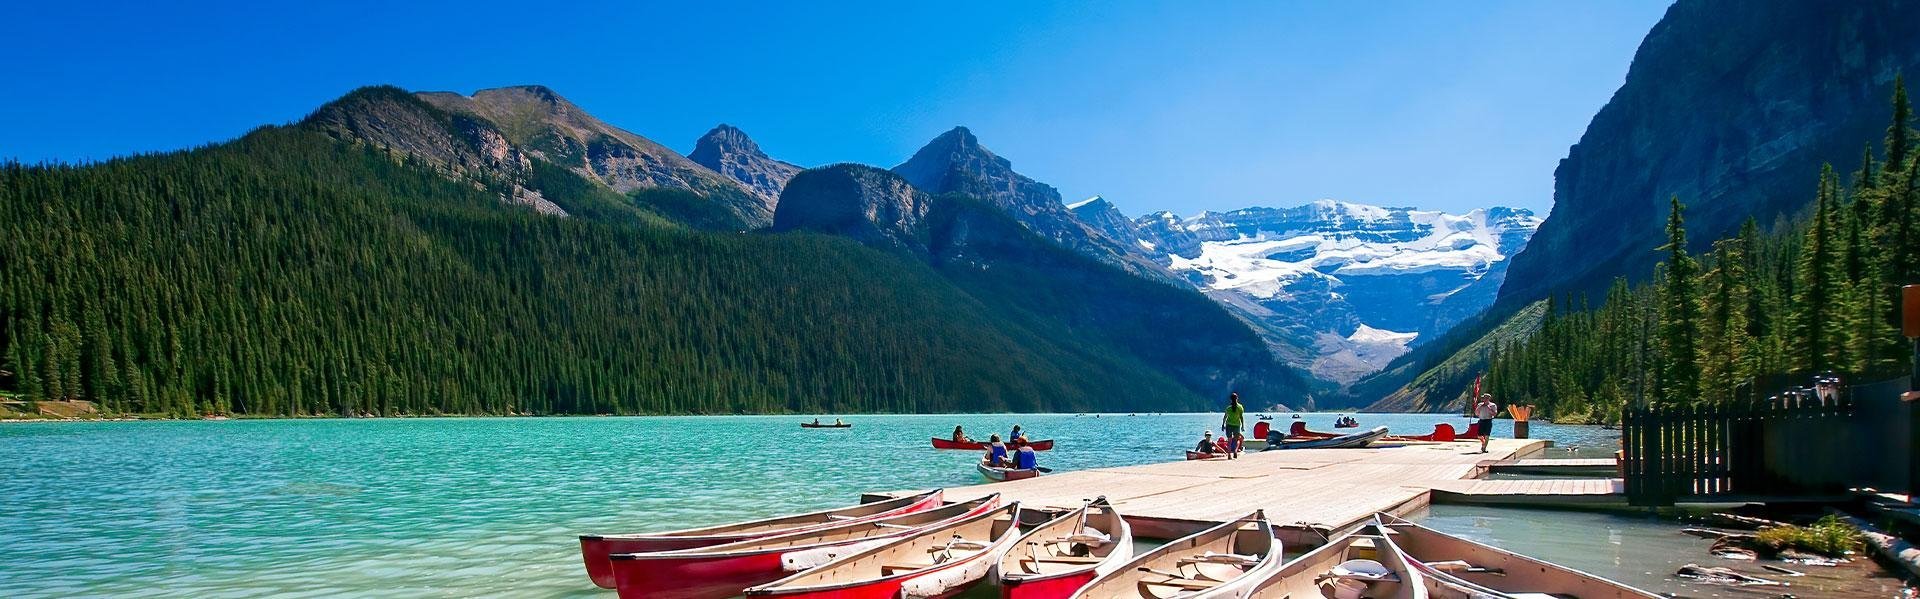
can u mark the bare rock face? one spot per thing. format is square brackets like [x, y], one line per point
[955, 162]
[727, 150]
[544, 125]
[1730, 104]
[465, 148]
[864, 203]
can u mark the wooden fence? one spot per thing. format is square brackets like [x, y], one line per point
[1792, 444]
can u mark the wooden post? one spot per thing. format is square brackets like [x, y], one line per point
[1910, 325]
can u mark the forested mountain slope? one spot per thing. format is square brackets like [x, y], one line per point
[318, 269]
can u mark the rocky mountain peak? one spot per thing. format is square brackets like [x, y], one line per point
[864, 203]
[729, 151]
[548, 126]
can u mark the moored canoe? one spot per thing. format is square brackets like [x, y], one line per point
[1352, 441]
[1057, 558]
[1441, 432]
[725, 570]
[1222, 562]
[938, 561]
[1459, 568]
[1361, 561]
[594, 549]
[1195, 455]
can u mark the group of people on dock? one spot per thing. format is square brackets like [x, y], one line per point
[1020, 456]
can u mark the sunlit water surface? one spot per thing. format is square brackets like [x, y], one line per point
[491, 507]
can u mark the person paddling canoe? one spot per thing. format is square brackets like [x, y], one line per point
[996, 452]
[1025, 458]
[960, 436]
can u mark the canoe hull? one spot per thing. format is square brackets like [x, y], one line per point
[1195, 455]
[694, 578]
[1045, 588]
[596, 550]
[939, 443]
[937, 582]
[1004, 474]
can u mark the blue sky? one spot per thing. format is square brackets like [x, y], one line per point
[1182, 106]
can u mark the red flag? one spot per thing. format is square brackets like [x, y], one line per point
[1476, 386]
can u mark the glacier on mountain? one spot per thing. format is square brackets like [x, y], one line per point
[1356, 284]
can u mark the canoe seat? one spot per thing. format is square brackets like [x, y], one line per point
[1065, 559]
[898, 567]
[1182, 583]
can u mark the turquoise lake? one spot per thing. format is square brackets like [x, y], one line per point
[459, 507]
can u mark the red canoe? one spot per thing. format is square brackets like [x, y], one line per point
[1057, 558]
[594, 549]
[1195, 455]
[1441, 432]
[939, 443]
[726, 570]
[934, 562]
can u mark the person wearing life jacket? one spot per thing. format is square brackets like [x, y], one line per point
[996, 452]
[1025, 458]
[1206, 443]
[1015, 435]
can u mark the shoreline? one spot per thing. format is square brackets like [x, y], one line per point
[159, 418]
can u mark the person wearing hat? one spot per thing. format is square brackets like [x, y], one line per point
[1206, 443]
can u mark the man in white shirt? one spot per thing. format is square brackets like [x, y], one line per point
[1485, 410]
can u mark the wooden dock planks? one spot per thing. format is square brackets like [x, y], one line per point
[1305, 492]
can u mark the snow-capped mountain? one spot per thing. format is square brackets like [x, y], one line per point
[1354, 283]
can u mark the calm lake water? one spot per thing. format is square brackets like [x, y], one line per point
[491, 506]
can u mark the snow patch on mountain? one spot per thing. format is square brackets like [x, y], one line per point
[1358, 283]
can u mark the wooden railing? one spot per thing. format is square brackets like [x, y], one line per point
[1792, 444]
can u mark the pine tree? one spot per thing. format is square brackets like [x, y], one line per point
[1679, 315]
[1900, 134]
[1815, 287]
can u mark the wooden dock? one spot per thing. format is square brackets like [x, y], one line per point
[1307, 493]
[1608, 467]
[1534, 492]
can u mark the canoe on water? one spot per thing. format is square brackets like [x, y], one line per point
[825, 425]
[939, 443]
[1441, 432]
[1362, 563]
[1352, 441]
[1057, 558]
[937, 561]
[1457, 568]
[726, 570]
[594, 549]
[1222, 562]
[996, 474]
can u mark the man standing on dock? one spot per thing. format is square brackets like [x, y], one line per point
[1485, 410]
[1230, 423]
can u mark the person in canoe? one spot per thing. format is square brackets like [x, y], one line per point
[1015, 435]
[959, 435]
[1231, 422]
[996, 452]
[837, 422]
[1206, 445]
[1024, 457]
[816, 422]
